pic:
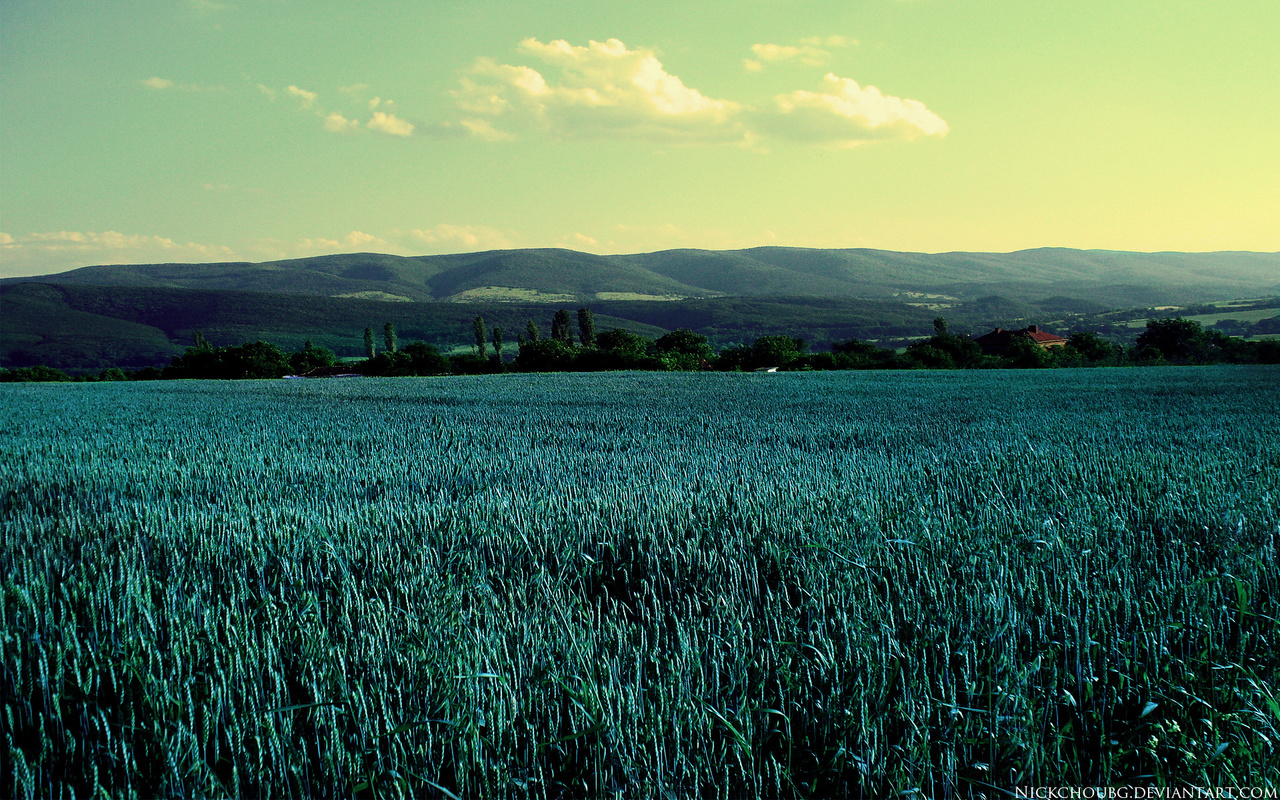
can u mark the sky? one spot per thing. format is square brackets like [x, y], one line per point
[252, 130]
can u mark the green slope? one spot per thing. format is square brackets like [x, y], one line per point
[83, 327]
[1113, 279]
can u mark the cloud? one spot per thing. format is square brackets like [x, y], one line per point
[846, 114]
[308, 98]
[161, 84]
[355, 240]
[390, 124]
[607, 90]
[812, 51]
[54, 251]
[461, 237]
[807, 54]
[601, 90]
[336, 123]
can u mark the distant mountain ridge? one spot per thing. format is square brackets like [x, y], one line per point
[1111, 278]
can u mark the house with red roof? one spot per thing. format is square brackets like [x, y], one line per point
[998, 341]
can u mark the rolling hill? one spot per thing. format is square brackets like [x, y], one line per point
[1108, 277]
[143, 315]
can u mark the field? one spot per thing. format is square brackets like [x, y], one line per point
[641, 585]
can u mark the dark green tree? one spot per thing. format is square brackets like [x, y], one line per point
[562, 327]
[550, 355]
[856, 354]
[1024, 353]
[776, 351]
[370, 350]
[426, 359]
[531, 330]
[682, 349]
[389, 337]
[625, 344]
[311, 357]
[1089, 348]
[477, 326]
[34, 374]
[201, 343]
[685, 341]
[586, 327]
[497, 343]
[940, 326]
[1176, 340]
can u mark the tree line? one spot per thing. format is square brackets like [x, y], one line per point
[578, 347]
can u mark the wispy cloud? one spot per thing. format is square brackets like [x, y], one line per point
[389, 124]
[813, 51]
[339, 121]
[351, 242]
[161, 84]
[446, 237]
[607, 90]
[336, 123]
[308, 99]
[53, 251]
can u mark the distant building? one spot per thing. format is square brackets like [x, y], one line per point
[998, 341]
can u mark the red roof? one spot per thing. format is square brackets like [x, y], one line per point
[999, 339]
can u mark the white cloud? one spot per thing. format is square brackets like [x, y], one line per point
[336, 123]
[308, 98]
[605, 89]
[446, 237]
[352, 242]
[160, 84]
[806, 54]
[845, 114]
[54, 251]
[602, 89]
[390, 124]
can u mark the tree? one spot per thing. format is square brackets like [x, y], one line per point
[561, 327]
[940, 326]
[478, 326]
[425, 359]
[682, 349]
[1024, 353]
[201, 342]
[586, 327]
[33, 374]
[369, 349]
[685, 341]
[531, 330]
[1091, 348]
[310, 357]
[1181, 341]
[856, 354]
[389, 336]
[776, 351]
[497, 343]
[551, 355]
[623, 343]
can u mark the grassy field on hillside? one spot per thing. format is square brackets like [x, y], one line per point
[641, 585]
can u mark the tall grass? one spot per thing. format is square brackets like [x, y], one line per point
[641, 585]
